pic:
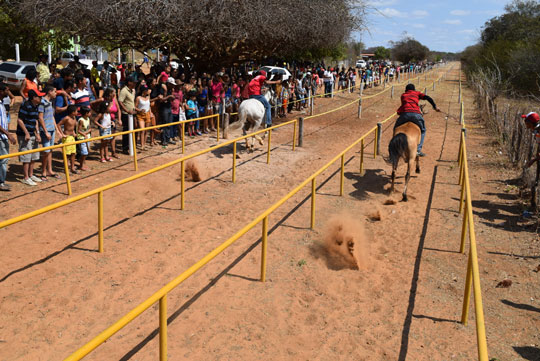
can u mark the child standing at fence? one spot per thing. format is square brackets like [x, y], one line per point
[191, 113]
[284, 96]
[104, 122]
[69, 123]
[83, 132]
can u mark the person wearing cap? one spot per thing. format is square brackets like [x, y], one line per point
[532, 122]
[126, 100]
[409, 111]
[44, 74]
[28, 136]
[254, 90]
[5, 138]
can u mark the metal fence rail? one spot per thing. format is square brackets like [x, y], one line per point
[262, 219]
[473, 274]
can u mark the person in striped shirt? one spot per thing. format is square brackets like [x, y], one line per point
[28, 136]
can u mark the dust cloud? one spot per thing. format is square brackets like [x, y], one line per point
[345, 241]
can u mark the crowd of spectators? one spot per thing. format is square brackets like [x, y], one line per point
[60, 105]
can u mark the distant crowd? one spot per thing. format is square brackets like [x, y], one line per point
[61, 104]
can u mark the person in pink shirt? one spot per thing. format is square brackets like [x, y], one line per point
[218, 91]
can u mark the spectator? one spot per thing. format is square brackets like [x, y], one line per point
[48, 130]
[5, 138]
[143, 113]
[62, 101]
[44, 74]
[83, 132]
[69, 123]
[104, 121]
[165, 110]
[328, 81]
[30, 83]
[532, 122]
[126, 100]
[28, 136]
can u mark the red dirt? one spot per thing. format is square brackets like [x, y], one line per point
[404, 302]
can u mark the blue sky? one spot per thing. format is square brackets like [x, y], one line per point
[440, 25]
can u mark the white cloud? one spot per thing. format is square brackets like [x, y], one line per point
[460, 12]
[467, 31]
[420, 13]
[392, 13]
[452, 22]
[418, 26]
[379, 3]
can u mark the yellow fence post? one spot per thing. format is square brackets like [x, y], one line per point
[269, 146]
[217, 128]
[467, 296]
[234, 163]
[375, 145]
[313, 191]
[294, 136]
[134, 140]
[263, 248]
[182, 183]
[342, 177]
[163, 328]
[66, 170]
[362, 157]
[100, 222]
[183, 138]
[464, 230]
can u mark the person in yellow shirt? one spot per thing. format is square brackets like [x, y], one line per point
[95, 81]
[44, 74]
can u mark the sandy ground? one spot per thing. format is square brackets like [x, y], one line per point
[403, 303]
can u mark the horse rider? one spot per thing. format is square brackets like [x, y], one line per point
[409, 111]
[254, 91]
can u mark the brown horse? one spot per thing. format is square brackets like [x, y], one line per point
[403, 145]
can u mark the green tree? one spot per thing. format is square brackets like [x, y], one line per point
[31, 39]
[381, 53]
[409, 49]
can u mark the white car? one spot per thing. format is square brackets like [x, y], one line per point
[361, 64]
[13, 73]
[273, 71]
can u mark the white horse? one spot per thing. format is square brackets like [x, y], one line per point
[251, 116]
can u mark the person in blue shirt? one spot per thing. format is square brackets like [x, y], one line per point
[191, 112]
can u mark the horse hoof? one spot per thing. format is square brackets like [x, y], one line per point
[261, 142]
[417, 171]
[405, 199]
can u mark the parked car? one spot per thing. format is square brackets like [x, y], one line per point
[13, 73]
[272, 72]
[361, 64]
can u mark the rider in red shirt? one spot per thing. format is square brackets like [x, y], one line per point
[254, 91]
[409, 111]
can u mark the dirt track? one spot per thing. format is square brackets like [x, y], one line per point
[58, 293]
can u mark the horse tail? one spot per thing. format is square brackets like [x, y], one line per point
[397, 148]
[241, 120]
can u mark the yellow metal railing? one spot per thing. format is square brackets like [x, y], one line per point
[473, 274]
[99, 191]
[133, 139]
[161, 295]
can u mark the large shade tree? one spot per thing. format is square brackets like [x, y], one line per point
[212, 33]
[409, 49]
